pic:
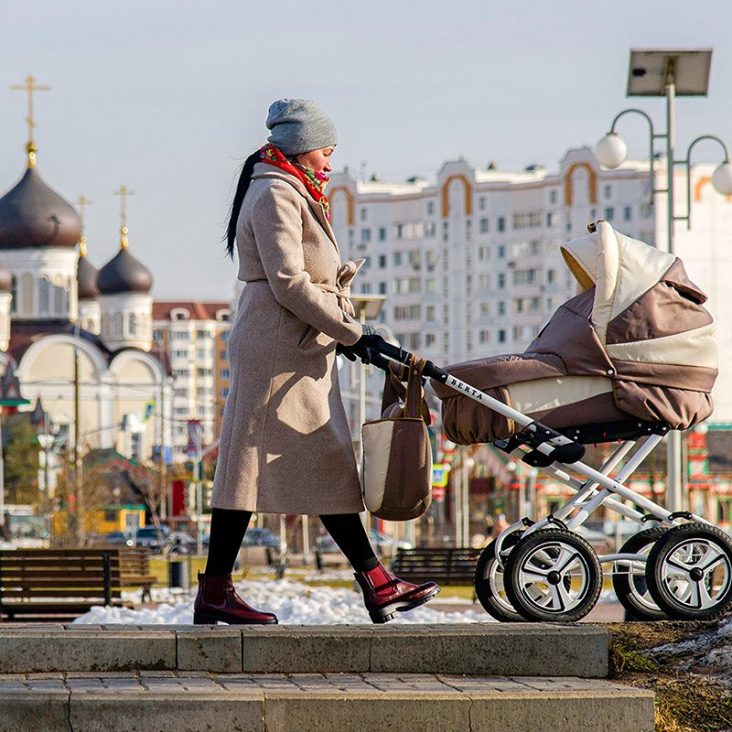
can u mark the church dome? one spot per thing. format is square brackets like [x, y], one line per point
[124, 273]
[86, 276]
[33, 215]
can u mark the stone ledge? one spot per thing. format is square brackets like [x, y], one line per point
[486, 648]
[325, 702]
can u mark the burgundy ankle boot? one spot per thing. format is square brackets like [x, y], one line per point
[384, 594]
[217, 600]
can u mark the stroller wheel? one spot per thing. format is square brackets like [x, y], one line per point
[629, 582]
[689, 572]
[553, 575]
[489, 586]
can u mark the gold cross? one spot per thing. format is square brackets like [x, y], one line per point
[29, 87]
[123, 191]
[82, 202]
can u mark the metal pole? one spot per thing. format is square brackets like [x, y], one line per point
[78, 524]
[306, 540]
[465, 512]
[161, 476]
[674, 493]
[459, 499]
[2, 478]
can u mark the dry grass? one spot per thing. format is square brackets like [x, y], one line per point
[684, 702]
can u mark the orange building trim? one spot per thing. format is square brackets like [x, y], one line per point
[569, 183]
[350, 203]
[446, 197]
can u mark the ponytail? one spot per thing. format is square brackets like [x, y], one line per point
[241, 189]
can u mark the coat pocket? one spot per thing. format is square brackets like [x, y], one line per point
[314, 341]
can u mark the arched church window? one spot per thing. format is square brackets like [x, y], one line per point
[59, 299]
[44, 296]
[13, 294]
[26, 294]
[117, 324]
[105, 323]
[133, 324]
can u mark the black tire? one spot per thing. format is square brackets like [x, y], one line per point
[683, 580]
[489, 583]
[577, 576]
[631, 588]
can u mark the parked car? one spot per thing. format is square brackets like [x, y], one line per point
[261, 537]
[182, 543]
[111, 538]
[382, 543]
[148, 537]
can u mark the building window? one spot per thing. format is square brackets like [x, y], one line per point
[501, 251]
[481, 203]
[609, 213]
[382, 261]
[484, 225]
[382, 288]
[382, 233]
[364, 213]
[224, 373]
[13, 293]
[608, 192]
[501, 280]
[429, 339]
[501, 308]
[44, 296]
[550, 276]
[365, 236]
[397, 259]
[550, 219]
[26, 294]
[552, 196]
[430, 208]
[133, 324]
[501, 223]
[501, 336]
[627, 213]
[117, 324]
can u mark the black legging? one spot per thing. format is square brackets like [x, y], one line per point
[228, 528]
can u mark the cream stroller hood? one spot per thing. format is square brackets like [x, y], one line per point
[635, 343]
[628, 273]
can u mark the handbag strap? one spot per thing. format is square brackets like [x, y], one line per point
[414, 403]
[394, 390]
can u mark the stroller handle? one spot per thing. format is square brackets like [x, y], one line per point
[395, 353]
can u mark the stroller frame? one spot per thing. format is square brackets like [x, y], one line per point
[552, 451]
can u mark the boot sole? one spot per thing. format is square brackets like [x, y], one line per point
[205, 619]
[389, 612]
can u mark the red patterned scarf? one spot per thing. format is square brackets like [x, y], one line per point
[314, 182]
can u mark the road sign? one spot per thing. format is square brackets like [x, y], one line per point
[440, 474]
[438, 494]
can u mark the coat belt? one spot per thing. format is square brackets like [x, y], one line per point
[342, 288]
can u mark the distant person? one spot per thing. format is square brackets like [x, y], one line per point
[285, 441]
[499, 524]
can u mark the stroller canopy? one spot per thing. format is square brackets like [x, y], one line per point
[645, 308]
[636, 342]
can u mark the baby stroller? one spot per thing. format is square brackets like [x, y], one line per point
[625, 361]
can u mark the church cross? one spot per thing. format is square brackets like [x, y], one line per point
[82, 202]
[30, 86]
[123, 191]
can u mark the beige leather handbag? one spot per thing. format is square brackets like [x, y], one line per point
[396, 473]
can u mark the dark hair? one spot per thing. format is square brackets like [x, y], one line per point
[241, 189]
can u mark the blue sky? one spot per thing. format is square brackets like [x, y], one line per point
[169, 96]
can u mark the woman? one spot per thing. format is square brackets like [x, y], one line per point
[285, 442]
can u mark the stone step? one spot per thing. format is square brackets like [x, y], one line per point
[189, 702]
[493, 649]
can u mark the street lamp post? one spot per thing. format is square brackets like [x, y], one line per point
[667, 73]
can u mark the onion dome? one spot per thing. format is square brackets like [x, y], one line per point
[124, 273]
[86, 275]
[33, 215]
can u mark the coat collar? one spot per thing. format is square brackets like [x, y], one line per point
[262, 170]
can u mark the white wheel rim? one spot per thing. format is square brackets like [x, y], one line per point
[535, 577]
[637, 571]
[682, 565]
[494, 576]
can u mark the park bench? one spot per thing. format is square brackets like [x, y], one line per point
[446, 566]
[134, 567]
[59, 584]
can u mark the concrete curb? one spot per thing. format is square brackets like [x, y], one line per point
[521, 649]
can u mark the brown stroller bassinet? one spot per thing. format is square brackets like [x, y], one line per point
[636, 343]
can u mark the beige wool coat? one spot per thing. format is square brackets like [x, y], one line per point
[285, 442]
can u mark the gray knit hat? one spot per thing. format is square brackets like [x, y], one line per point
[298, 126]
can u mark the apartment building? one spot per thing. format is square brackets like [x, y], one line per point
[471, 266]
[194, 335]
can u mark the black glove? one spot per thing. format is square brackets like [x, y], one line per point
[364, 347]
